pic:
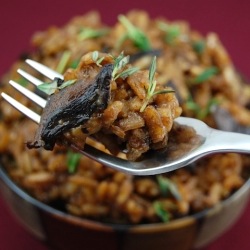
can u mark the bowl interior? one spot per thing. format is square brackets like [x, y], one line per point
[50, 224]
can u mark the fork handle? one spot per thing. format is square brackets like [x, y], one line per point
[228, 142]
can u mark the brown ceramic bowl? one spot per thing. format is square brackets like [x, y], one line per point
[52, 225]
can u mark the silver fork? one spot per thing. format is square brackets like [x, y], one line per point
[210, 140]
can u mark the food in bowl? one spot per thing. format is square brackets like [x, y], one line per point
[205, 81]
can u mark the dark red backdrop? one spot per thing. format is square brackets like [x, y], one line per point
[19, 19]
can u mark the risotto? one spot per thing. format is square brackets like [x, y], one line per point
[206, 84]
[109, 100]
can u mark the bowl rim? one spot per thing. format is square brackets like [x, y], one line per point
[91, 223]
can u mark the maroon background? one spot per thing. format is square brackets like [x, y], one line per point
[19, 19]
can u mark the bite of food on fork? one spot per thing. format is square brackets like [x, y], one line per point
[108, 99]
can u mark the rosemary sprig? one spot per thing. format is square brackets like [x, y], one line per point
[136, 35]
[96, 59]
[152, 85]
[118, 72]
[127, 72]
[50, 87]
[87, 33]
[66, 84]
[120, 62]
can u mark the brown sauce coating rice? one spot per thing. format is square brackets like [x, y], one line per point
[123, 121]
[127, 117]
[97, 192]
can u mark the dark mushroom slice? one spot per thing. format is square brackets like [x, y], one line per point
[71, 107]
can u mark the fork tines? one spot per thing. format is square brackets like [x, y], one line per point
[23, 109]
[31, 95]
[49, 73]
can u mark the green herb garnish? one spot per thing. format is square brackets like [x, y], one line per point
[134, 34]
[73, 161]
[168, 187]
[74, 64]
[22, 81]
[96, 59]
[51, 87]
[120, 62]
[63, 62]
[48, 87]
[192, 105]
[127, 72]
[87, 33]
[152, 85]
[208, 109]
[199, 112]
[172, 32]
[205, 75]
[199, 46]
[66, 84]
[161, 212]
